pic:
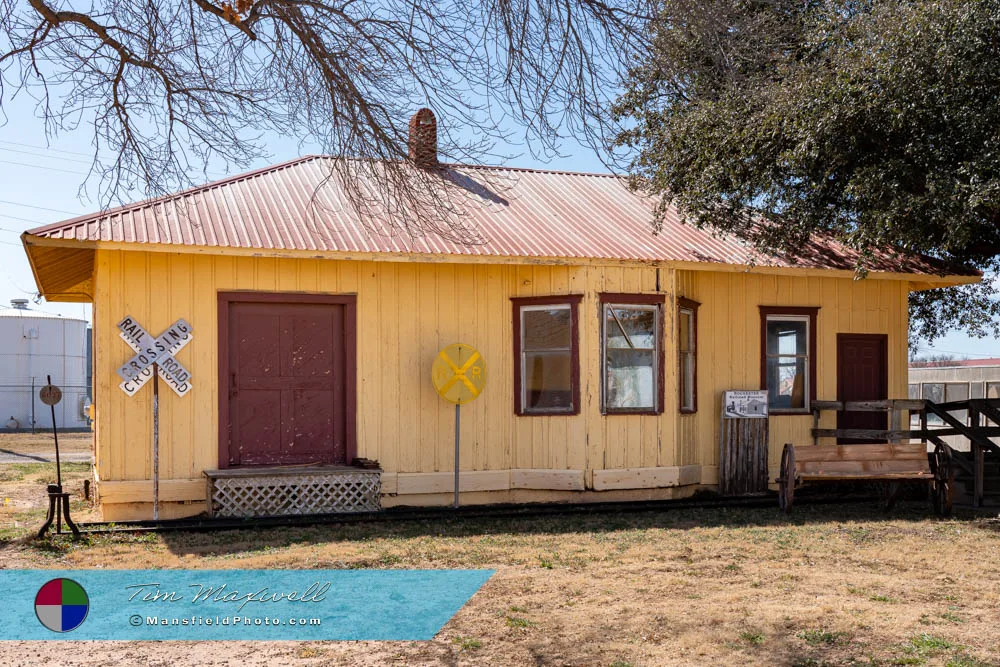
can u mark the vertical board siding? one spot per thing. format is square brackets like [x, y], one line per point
[407, 312]
[729, 345]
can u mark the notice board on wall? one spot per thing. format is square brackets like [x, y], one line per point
[743, 440]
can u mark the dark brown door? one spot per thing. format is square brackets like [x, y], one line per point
[862, 375]
[287, 383]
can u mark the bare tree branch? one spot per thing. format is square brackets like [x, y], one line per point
[171, 86]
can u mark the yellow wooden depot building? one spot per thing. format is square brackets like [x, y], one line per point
[313, 333]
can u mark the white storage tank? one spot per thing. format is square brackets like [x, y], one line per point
[34, 344]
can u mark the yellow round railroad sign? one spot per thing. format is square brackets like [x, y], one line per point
[459, 373]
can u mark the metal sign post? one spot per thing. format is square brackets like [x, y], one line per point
[58, 501]
[50, 395]
[156, 442]
[459, 376]
[154, 359]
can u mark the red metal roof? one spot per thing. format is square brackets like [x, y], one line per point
[517, 212]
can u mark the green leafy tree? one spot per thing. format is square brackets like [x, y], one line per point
[877, 122]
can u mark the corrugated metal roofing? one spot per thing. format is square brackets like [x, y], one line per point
[517, 212]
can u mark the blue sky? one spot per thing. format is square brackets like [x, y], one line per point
[40, 180]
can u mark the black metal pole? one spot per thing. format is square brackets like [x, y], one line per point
[55, 436]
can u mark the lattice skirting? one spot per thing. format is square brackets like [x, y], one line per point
[277, 494]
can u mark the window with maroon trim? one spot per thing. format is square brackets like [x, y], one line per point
[788, 357]
[547, 366]
[632, 353]
[687, 351]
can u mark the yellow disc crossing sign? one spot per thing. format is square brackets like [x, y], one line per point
[459, 373]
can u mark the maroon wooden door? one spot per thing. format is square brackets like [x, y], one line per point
[288, 370]
[862, 375]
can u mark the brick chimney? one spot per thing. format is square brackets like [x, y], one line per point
[423, 138]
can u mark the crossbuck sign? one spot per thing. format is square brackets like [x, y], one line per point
[138, 370]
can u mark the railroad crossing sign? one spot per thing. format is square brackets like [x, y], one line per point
[459, 373]
[138, 370]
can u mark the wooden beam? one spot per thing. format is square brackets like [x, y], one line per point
[556, 480]
[859, 433]
[855, 467]
[865, 475]
[646, 478]
[444, 482]
[141, 491]
[869, 406]
[877, 452]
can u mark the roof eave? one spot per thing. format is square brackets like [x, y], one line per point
[75, 291]
[918, 281]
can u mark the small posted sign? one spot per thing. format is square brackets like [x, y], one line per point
[743, 436]
[745, 405]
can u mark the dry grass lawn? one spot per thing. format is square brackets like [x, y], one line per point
[830, 585]
[23, 500]
[41, 442]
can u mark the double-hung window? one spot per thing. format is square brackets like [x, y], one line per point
[631, 353]
[547, 359]
[788, 357]
[687, 349]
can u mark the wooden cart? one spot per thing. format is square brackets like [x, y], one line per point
[890, 458]
[873, 462]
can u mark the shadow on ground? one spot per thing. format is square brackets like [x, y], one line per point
[234, 541]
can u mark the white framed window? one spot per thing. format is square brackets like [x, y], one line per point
[547, 376]
[631, 349]
[788, 357]
[687, 350]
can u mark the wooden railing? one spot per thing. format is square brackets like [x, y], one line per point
[893, 407]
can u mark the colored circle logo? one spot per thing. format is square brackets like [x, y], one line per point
[61, 605]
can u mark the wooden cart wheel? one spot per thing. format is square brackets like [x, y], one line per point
[786, 482]
[944, 481]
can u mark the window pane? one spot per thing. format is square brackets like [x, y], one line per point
[786, 378]
[548, 381]
[546, 329]
[934, 392]
[787, 337]
[993, 390]
[976, 390]
[638, 323]
[685, 330]
[957, 391]
[630, 379]
[687, 380]
[914, 392]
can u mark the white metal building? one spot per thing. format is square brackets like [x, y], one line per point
[955, 380]
[34, 344]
